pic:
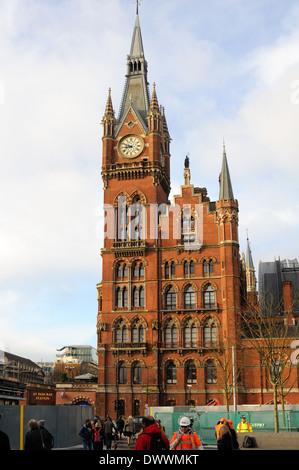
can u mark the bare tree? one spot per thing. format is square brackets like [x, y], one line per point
[268, 329]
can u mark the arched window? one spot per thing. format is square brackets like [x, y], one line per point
[135, 297]
[190, 333]
[141, 270]
[121, 332]
[125, 271]
[209, 297]
[171, 373]
[125, 297]
[191, 267]
[208, 268]
[119, 271]
[210, 334]
[172, 269]
[186, 268]
[170, 299]
[166, 270]
[137, 373]
[137, 212]
[138, 332]
[191, 373]
[122, 219]
[189, 298]
[119, 297]
[211, 372]
[135, 270]
[171, 335]
[122, 373]
[141, 297]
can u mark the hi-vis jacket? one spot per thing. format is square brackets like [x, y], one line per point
[244, 427]
[188, 441]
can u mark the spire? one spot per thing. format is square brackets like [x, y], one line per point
[226, 190]
[109, 120]
[249, 260]
[136, 86]
[136, 44]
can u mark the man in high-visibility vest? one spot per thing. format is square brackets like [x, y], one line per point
[243, 426]
[185, 438]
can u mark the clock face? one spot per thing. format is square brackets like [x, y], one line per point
[131, 146]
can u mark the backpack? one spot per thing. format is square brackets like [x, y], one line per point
[157, 443]
[248, 442]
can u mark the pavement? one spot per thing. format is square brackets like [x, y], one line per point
[119, 444]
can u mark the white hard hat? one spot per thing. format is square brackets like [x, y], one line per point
[185, 421]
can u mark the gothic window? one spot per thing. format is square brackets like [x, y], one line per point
[125, 271]
[171, 335]
[210, 333]
[138, 297]
[119, 271]
[125, 297]
[141, 297]
[188, 226]
[189, 298]
[191, 373]
[137, 222]
[118, 297]
[190, 334]
[209, 297]
[121, 332]
[172, 268]
[122, 219]
[171, 373]
[166, 270]
[208, 268]
[170, 298]
[141, 270]
[138, 332]
[211, 372]
[137, 373]
[122, 373]
[188, 268]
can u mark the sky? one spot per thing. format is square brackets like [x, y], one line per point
[224, 70]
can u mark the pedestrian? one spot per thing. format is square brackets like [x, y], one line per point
[49, 442]
[108, 429]
[151, 437]
[224, 441]
[233, 434]
[87, 435]
[4, 439]
[36, 438]
[98, 436]
[244, 426]
[120, 424]
[218, 426]
[129, 429]
[185, 438]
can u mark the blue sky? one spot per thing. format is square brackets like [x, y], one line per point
[224, 69]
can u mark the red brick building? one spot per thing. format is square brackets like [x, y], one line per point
[173, 281]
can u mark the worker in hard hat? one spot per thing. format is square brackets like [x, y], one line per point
[244, 426]
[185, 438]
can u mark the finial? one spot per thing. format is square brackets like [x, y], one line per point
[137, 5]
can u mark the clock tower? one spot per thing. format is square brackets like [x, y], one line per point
[136, 180]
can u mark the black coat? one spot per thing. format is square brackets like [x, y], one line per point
[4, 441]
[225, 440]
[33, 440]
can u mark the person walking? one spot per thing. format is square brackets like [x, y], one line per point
[98, 436]
[108, 429]
[185, 438]
[224, 441]
[36, 438]
[151, 437]
[86, 434]
[49, 441]
[4, 439]
[129, 429]
[233, 435]
[120, 425]
[244, 426]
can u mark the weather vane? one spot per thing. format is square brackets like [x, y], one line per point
[138, 2]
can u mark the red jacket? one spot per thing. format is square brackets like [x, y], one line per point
[144, 440]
